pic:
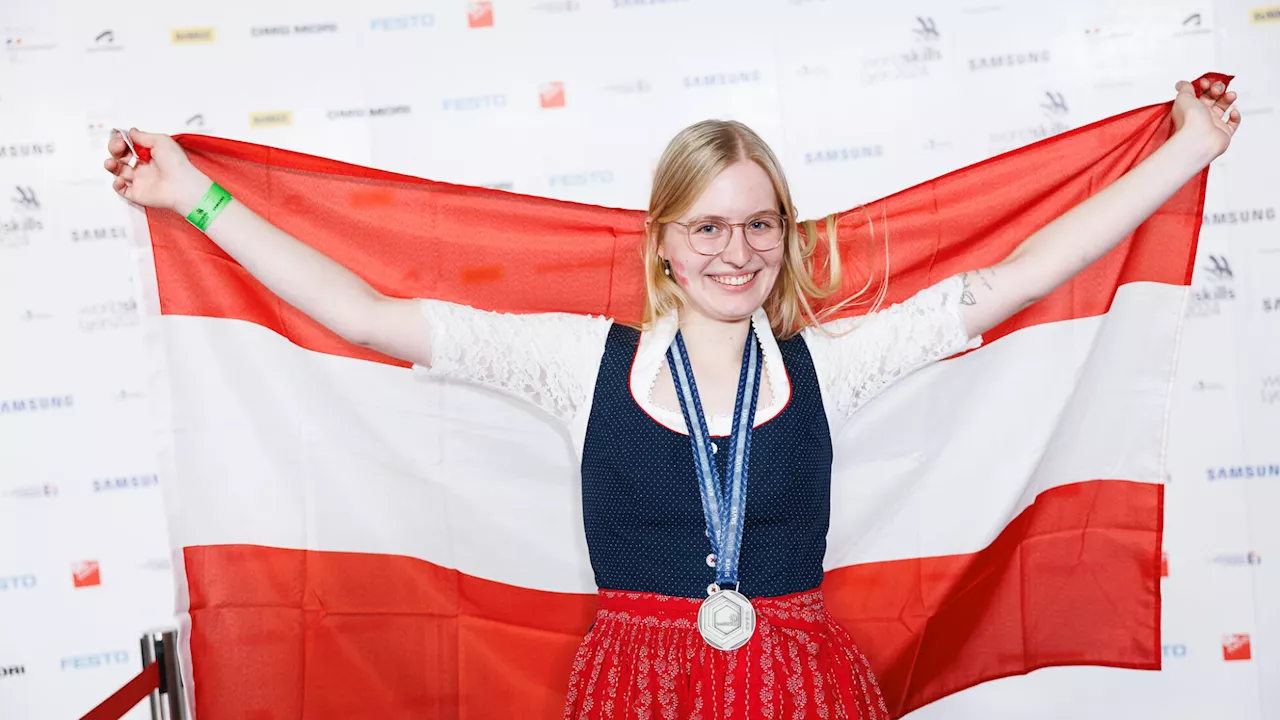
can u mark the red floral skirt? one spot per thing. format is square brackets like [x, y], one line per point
[644, 658]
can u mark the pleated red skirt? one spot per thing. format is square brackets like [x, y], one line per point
[644, 658]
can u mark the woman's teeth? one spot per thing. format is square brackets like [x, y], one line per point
[733, 279]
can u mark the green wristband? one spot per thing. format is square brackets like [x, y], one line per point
[213, 202]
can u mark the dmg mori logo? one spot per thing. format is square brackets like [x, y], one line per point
[191, 36]
[275, 118]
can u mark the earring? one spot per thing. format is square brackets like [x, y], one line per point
[667, 270]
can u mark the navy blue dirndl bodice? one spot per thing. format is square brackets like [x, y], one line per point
[640, 503]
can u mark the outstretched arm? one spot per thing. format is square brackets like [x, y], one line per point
[1072, 242]
[302, 276]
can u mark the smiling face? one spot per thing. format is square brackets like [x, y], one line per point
[731, 285]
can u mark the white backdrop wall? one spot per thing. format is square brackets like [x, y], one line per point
[576, 99]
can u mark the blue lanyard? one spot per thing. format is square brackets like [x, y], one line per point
[724, 508]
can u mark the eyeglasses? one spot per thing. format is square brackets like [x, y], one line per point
[710, 236]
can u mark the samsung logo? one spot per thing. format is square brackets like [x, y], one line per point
[35, 404]
[843, 154]
[403, 22]
[475, 102]
[1010, 60]
[99, 233]
[1244, 471]
[718, 79]
[125, 482]
[591, 177]
[1235, 217]
[26, 150]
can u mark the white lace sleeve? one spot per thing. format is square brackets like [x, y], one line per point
[862, 356]
[548, 359]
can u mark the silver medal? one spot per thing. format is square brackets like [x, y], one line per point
[726, 620]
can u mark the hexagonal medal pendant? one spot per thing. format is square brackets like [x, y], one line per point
[726, 620]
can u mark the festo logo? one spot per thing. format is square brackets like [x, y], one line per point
[1173, 650]
[403, 22]
[17, 582]
[95, 660]
[474, 102]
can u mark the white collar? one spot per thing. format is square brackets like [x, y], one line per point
[652, 353]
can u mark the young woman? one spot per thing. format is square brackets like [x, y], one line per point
[710, 603]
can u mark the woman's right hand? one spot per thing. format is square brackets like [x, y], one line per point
[168, 180]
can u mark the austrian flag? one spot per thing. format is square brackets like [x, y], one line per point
[355, 540]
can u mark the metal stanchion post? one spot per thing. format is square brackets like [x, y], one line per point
[168, 702]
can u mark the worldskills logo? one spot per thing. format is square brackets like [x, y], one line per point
[12, 670]
[1207, 300]
[581, 179]
[551, 95]
[86, 574]
[17, 230]
[480, 14]
[1236, 647]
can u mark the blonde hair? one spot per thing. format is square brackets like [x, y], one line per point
[692, 159]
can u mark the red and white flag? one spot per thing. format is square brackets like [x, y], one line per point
[357, 541]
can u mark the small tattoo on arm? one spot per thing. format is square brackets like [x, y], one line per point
[966, 296]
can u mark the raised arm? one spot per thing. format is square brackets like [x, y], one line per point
[302, 276]
[1072, 242]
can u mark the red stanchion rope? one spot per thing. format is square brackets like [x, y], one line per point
[123, 700]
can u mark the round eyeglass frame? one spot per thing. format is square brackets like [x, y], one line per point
[688, 234]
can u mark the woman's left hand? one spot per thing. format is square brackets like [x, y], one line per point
[1203, 116]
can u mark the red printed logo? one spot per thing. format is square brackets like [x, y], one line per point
[86, 574]
[552, 94]
[1236, 647]
[480, 13]
[1164, 564]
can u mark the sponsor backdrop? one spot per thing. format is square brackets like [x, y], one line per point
[576, 99]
